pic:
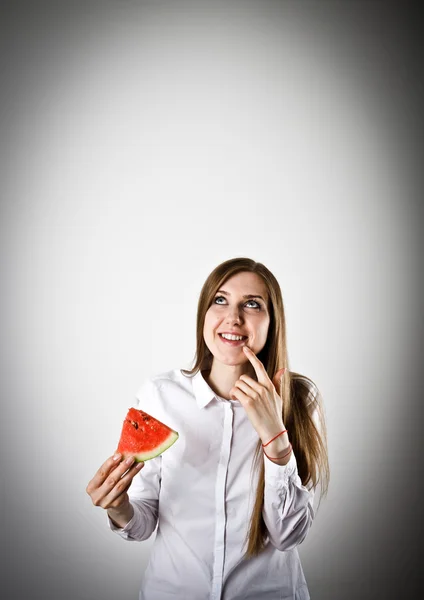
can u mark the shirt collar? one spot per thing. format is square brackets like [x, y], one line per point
[202, 392]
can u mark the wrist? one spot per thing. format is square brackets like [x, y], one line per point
[271, 433]
[278, 449]
[270, 437]
[121, 516]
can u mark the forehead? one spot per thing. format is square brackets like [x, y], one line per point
[245, 283]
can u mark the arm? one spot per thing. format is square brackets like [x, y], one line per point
[288, 509]
[132, 513]
[288, 505]
[144, 503]
[143, 495]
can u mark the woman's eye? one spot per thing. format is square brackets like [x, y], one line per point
[257, 305]
[249, 304]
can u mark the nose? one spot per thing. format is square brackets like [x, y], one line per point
[233, 315]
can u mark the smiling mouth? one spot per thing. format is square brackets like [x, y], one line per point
[233, 340]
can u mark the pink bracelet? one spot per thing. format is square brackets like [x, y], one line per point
[279, 457]
[274, 438]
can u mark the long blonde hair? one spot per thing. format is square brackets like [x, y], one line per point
[300, 395]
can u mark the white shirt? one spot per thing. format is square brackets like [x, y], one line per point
[200, 495]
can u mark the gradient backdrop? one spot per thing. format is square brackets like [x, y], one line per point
[142, 143]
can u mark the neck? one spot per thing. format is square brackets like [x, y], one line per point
[221, 378]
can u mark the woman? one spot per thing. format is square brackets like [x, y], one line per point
[233, 497]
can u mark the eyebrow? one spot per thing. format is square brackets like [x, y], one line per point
[245, 296]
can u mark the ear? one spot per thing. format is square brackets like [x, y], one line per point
[276, 380]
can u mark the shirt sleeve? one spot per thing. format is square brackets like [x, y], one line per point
[288, 505]
[145, 487]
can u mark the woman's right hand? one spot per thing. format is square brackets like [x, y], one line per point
[109, 486]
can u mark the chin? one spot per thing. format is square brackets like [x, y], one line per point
[232, 362]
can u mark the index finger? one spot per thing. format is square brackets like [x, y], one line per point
[260, 370]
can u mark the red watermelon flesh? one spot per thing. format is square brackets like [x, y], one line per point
[144, 437]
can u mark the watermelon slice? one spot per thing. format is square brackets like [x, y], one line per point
[144, 437]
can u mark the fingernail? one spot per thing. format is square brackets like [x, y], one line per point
[129, 460]
[139, 465]
[116, 456]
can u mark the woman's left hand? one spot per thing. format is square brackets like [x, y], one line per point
[260, 399]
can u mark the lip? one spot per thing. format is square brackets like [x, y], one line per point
[231, 333]
[233, 343]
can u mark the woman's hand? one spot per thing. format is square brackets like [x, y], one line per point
[260, 399]
[109, 486]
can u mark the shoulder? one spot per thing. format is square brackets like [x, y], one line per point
[161, 396]
[173, 376]
[164, 381]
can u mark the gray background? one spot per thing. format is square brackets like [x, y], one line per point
[142, 143]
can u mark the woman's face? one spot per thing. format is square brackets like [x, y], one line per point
[239, 308]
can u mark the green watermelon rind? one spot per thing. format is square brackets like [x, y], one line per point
[167, 443]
